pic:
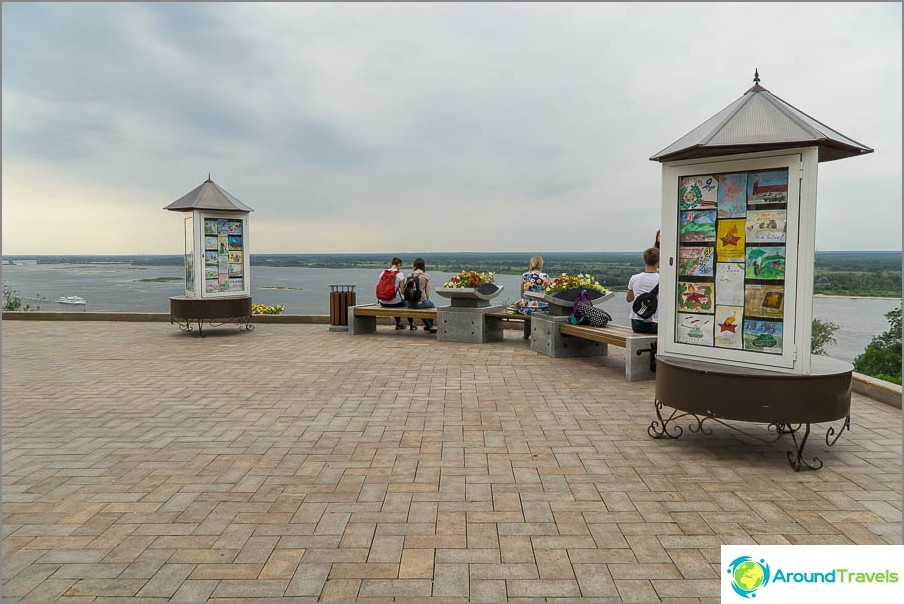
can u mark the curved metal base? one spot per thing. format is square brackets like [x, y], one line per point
[660, 428]
[215, 312]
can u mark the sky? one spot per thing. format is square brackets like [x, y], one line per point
[430, 127]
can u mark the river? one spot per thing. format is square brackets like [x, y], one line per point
[119, 287]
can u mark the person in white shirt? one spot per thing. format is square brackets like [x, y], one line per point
[395, 266]
[642, 283]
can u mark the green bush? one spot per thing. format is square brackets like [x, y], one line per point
[11, 300]
[823, 335]
[882, 357]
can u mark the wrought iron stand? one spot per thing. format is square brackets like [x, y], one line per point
[787, 403]
[216, 312]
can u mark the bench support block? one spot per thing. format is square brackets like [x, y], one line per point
[468, 325]
[639, 358]
[360, 325]
[546, 339]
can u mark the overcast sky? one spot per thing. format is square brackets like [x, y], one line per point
[419, 127]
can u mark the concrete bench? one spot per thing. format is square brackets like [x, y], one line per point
[510, 316]
[640, 349]
[363, 319]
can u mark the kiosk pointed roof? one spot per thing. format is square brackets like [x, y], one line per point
[208, 196]
[760, 121]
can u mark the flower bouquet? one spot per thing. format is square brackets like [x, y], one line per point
[263, 309]
[470, 289]
[470, 279]
[580, 282]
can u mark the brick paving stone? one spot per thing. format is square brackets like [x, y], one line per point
[328, 473]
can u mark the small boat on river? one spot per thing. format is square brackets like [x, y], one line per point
[71, 300]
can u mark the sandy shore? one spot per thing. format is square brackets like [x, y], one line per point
[856, 297]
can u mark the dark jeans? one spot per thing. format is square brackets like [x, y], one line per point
[640, 326]
[428, 323]
[398, 320]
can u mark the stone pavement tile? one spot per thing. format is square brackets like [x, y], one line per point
[386, 548]
[203, 556]
[194, 590]
[166, 581]
[89, 571]
[418, 563]
[106, 587]
[282, 564]
[595, 581]
[450, 580]
[226, 571]
[340, 590]
[466, 556]
[706, 589]
[396, 588]
[692, 564]
[647, 549]
[367, 570]
[644, 571]
[63, 556]
[636, 590]
[487, 590]
[28, 579]
[553, 564]
[516, 549]
[48, 590]
[504, 571]
[536, 589]
[246, 588]
[308, 580]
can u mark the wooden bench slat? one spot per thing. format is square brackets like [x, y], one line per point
[616, 335]
[382, 311]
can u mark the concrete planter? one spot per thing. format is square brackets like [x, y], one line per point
[560, 303]
[470, 297]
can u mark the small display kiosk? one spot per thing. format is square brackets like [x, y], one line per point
[736, 274]
[217, 260]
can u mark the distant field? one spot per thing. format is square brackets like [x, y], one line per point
[837, 273]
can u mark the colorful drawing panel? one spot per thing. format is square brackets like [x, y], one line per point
[763, 336]
[695, 261]
[765, 226]
[727, 332]
[764, 301]
[694, 329]
[695, 297]
[732, 260]
[767, 188]
[696, 226]
[732, 195]
[698, 192]
[730, 240]
[765, 263]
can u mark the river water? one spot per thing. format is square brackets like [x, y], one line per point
[118, 287]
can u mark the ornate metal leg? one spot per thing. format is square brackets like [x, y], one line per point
[797, 462]
[831, 431]
[659, 427]
[200, 330]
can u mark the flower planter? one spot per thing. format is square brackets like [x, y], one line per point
[470, 297]
[560, 303]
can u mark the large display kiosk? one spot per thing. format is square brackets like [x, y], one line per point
[736, 273]
[217, 260]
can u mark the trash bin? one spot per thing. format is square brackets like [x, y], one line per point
[341, 297]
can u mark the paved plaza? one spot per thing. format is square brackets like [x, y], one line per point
[300, 464]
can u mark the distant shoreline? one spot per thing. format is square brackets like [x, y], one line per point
[857, 297]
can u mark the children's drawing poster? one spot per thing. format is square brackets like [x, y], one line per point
[732, 195]
[730, 240]
[211, 271]
[764, 301]
[698, 192]
[767, 187]
[732, 237]
[694, 329]
[729, 284]
[763, 336]
[695, 297]
[728, 323]
[211, 285]
[765, 263]
[210, 243]
[696, 261]
[765, 226]
[210, 226]
[697, 226]
[235, 270]
[210, 257]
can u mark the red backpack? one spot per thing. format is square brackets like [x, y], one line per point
[386, 286]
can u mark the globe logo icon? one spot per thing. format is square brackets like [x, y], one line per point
[748, 575]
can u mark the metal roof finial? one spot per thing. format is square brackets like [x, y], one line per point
[208, 177]
[756, 75]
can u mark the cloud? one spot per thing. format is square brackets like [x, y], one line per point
[470, 121]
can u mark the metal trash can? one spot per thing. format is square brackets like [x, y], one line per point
[341, 297]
